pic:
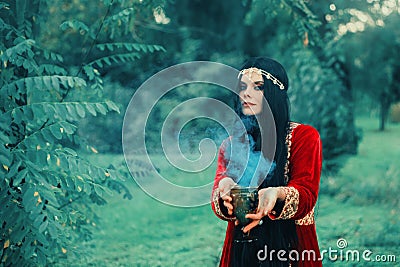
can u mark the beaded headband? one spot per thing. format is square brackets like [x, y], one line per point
[249, 72]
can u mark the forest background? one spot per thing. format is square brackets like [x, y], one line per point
[70, 68]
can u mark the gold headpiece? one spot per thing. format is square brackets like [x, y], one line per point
[266, 74]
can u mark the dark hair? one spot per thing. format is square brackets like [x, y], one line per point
[278, 102]
[281, 234]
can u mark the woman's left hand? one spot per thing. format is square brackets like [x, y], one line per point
[267, 198]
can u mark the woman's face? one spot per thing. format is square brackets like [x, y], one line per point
[251, 93]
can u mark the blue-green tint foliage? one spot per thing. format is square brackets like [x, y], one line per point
[47, 187]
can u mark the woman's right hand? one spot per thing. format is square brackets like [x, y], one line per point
[225, 186]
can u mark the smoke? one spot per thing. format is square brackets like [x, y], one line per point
[166, 135]
[246, 166]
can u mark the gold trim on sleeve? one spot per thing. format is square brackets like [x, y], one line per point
[306, 220]
[288, 143]
[291, 203]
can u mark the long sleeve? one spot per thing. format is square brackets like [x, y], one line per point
[305, 163]
[216, 201]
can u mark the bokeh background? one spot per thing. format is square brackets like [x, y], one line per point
[70, 68]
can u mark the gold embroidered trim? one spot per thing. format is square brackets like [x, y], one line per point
[288, 143]
[292, 194]
[215, 199]
[306, 220]
[291, 202]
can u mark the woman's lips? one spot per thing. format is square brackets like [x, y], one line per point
[247, 104]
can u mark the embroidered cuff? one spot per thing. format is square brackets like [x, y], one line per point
[291, 203]
[307, 220]
[217, 201]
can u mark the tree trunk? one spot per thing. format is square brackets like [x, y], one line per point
[384, 111]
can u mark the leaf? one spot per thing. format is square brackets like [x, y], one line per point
[112, 106]
[29, 84]
[56, 132]
[6, 244]
[123, 15]
[118, 58]
[100, 107]
[41, 256]
[61, 110]
[69, 128]
[91, 109]
[20, 233]
[71, 81]
[75, 25]
[49, 195]
[80, 110]
[47, 82]
[5, 161]
[54, 211]
[94, 150]
[43, 226]
[14, 169]
[39, 220]
[101, 47]
[53, 69]
[98, 189]
[70, 151]
[72, 111]
[28, 200]
[17, 116]
[18, 178]
[130, 46]
[47, 135]
[55, 83]
[143, 47]
[89, 70]
[52, 230]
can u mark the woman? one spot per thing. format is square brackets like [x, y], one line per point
[282, 231]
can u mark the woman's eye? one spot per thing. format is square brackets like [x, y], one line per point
[259, 87]
[243, 87]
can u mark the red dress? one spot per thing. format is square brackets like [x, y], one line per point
[303, 170]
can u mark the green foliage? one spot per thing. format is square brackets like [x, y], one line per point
[47, 187]
[109, 60]
[304, 21]
[324, 111]
[378, 60]
[74, 25]
[122, 16]
[130, 47]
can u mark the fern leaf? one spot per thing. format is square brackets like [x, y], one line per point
[11, 54]
[47, 134]
[119, 58]
[53, 112]
[6, 26]
[41, 83]
[52, 69]
[51, 55]
[122, 16]
[90, 72]
[130, 47]
[76, 25]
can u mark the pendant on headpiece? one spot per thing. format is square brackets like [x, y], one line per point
[249, 72]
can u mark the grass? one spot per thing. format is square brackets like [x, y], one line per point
[362, 205]
[359, 204]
